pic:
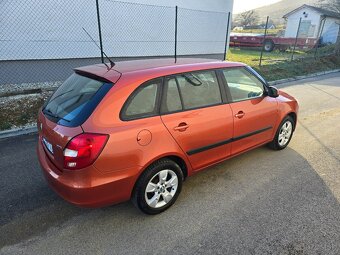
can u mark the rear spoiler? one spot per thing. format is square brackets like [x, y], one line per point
[92, 76]
[99, 73]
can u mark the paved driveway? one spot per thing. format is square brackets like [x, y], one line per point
[262, 202]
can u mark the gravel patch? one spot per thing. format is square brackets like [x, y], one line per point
[21, 110]
[19, 103]
[10, 88]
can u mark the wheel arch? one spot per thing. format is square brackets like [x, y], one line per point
[293, 115]
[184, 165]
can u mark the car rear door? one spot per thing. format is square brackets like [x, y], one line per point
[254, 113]
[195, 114]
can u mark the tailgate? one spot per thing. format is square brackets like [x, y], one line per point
[54, 138]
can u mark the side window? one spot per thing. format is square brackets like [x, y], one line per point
[142, 103]
[171, 99]
[242, 84]
[199, 89]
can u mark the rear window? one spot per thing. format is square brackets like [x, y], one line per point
[74, 101]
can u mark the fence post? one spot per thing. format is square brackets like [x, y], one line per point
[100, 33]
[176, 13]
[226, 38]
[318, 41]
[296, 38]
[264, 38]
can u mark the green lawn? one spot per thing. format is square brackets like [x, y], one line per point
[277, 65]
[251, 56]
[259, 31]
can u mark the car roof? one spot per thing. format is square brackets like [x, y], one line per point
[156, 67]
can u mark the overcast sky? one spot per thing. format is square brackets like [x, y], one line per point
[245, 5]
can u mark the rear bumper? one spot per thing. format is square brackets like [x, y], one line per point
[88, 187]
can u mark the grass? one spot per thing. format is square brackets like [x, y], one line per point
[277, 65]
[299, 67]
[259, 31]
[4, 125]
[251, 56]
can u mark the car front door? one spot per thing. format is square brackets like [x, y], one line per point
[255, 114]
[196, 116]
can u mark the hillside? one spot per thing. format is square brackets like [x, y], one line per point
[277, 10]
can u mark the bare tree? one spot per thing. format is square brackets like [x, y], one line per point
[248, 18]
[333, 5]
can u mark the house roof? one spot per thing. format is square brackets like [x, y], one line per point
[322, 11]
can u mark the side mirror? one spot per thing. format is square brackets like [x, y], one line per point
[273, 92]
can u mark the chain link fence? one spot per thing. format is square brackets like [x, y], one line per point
[301, 39]
[42, 41]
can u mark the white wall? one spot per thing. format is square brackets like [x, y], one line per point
[330, 30]
[38, 29]
[293, 21]
[207, 5]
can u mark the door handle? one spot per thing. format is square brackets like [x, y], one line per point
[240, 114]
[181, 127]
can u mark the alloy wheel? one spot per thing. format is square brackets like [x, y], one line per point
[285, 133]
[161, 188]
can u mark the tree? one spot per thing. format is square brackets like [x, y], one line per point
[333, 5]
[248, 18]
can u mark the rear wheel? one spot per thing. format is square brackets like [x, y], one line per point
[269, 46]
[158, 187]
[283, 134]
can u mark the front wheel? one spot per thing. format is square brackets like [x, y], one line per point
[158, 187]
[283, 134]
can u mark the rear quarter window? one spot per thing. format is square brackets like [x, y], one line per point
[142, 102]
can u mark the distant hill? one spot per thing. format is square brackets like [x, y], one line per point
[277, 10]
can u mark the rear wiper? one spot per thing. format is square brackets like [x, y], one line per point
[49, 113]
[60, 95]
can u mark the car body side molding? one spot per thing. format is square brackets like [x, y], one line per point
[211, 146]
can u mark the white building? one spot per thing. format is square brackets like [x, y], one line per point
[315, 22]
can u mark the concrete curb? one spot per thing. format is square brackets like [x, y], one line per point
[297, 78]
[31, 130]
[17, 132]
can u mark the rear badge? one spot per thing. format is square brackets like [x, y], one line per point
[47, 145]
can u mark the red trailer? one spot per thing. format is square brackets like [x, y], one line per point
[270, 42]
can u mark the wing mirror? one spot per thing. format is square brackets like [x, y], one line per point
[273, 92]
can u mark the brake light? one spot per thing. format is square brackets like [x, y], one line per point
[83, 150]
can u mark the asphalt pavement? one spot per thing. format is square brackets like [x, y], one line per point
[261, 202]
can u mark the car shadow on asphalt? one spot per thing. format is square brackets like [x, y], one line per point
[269, 184]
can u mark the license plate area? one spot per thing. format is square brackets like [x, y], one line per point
[47, 145]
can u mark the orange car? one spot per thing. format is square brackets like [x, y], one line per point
[138, 129]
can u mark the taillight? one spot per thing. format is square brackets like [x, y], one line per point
[83, 150]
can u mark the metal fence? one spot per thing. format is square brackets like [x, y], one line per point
[300, 39]
[41, 41]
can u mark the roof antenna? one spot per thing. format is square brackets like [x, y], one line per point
[112, 64]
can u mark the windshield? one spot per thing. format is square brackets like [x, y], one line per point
[75, 100]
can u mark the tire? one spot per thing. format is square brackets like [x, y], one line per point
[283, 135]
[268, 46]
[162, 186]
